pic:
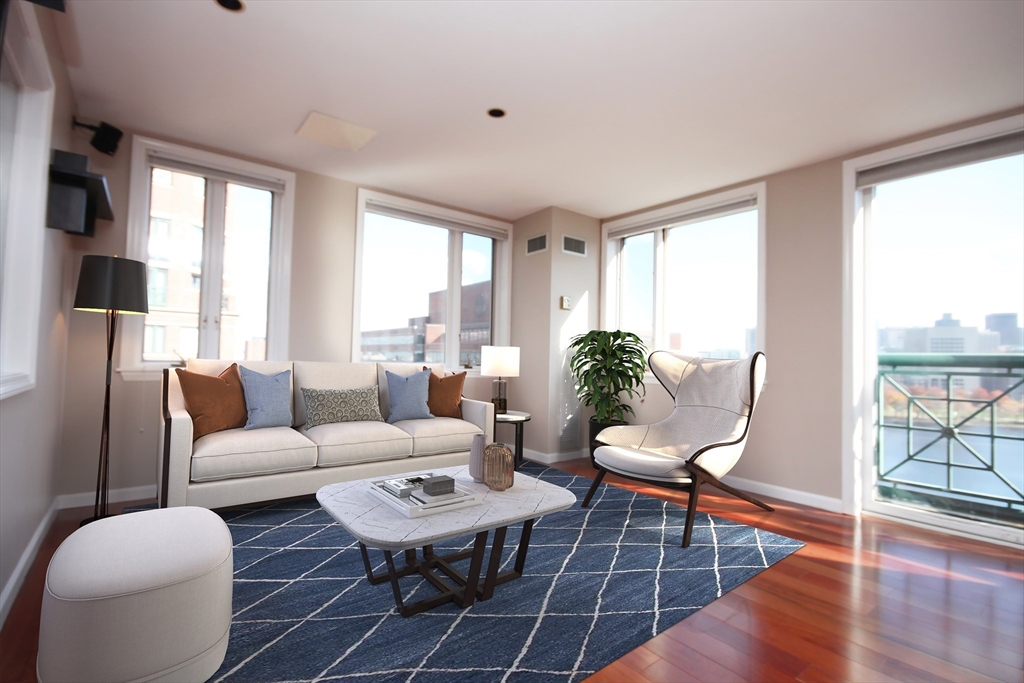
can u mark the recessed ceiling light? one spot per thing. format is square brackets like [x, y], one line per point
[232, 5]
[496, 113]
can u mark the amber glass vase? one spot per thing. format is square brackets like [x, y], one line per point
[499, 467]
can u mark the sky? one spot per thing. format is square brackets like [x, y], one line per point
[403, 262]
[711, 283]
[950, 242]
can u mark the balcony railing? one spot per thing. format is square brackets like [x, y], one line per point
[950, 433]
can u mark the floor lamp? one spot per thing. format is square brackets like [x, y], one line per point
[109, 285]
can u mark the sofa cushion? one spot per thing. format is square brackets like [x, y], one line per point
[240, 453]
[324, 406]
[215, 403]
[407, 396]
[345, 443]
[268, 398]
[402, 370]
[213, 366]
[440, 435]
[445, 395]
[317, 375]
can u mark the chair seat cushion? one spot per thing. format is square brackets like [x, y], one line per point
[440, 435]
[248, 453]
[644, 464]
[345, 443]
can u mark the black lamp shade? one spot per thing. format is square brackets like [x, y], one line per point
[109, 283]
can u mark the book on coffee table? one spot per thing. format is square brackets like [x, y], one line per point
[419, 504]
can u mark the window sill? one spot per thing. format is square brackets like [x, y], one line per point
[137, 375]
[12, 385]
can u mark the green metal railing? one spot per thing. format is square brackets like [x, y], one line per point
[950, 433]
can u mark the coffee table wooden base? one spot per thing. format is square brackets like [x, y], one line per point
[467, 586]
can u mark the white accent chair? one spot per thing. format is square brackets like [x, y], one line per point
[703, 437]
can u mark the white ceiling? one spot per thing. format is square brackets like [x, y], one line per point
[612, 107]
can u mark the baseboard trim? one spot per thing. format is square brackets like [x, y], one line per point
[813, 500]
[87, 498]
[13, 585]
[551, 458]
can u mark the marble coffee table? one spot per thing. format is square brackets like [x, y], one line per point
[376, 525]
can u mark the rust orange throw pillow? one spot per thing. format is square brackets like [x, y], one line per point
[215, 403]
[445, 394]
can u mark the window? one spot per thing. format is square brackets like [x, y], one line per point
[933, 298]
[155, 340]
[689, 277]
[159, 239]
[423, 271]
[26, 115]
[157, 286]
[217, 235]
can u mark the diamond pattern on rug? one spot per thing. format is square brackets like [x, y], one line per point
[598, 583]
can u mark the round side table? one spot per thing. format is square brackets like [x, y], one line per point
[517, 418]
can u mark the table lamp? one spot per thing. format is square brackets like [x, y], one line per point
[109, 285]
[499, 361]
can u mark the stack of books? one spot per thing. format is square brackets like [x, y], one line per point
[406, 495]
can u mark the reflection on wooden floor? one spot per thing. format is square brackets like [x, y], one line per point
[865, 600]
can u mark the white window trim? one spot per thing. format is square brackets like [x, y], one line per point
[860, 359]
[501, 276]
[21, 289]
[609, 318]
[132, 367]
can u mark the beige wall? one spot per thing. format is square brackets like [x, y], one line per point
[795, 439]
[531, 328]
[323, 260]
[542, 330]
[578, 278]
[30, 421]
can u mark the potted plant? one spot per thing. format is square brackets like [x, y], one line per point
[606, 364]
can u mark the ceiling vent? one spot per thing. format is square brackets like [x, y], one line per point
[537, 244]
[328, 130]
[572, 245]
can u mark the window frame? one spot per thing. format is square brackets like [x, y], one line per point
[860, 358]
[25, 233]
[611, 245]
[454, 221]
[131, 366]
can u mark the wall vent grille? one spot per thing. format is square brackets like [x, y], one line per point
[572, 245]
[537, 244]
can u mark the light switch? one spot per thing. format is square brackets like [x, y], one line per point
[565, 303]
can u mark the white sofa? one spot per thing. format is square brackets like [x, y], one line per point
[240, 466]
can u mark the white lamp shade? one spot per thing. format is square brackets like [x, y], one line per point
[499, 361]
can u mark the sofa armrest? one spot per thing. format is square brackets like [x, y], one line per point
[176, 461]
[480, 413]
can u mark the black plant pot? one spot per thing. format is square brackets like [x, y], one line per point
[595, 429]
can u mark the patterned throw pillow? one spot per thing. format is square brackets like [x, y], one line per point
[324, 406]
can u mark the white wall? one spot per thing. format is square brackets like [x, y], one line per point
[30, 422]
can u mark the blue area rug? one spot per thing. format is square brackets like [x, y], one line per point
[598, 583]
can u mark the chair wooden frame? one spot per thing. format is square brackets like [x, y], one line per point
[698, 475]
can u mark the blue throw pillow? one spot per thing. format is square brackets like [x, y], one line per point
[408, 396]
[267, 399]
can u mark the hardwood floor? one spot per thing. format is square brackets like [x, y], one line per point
[865, 600]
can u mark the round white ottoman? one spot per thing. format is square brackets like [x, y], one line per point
[144, 596]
